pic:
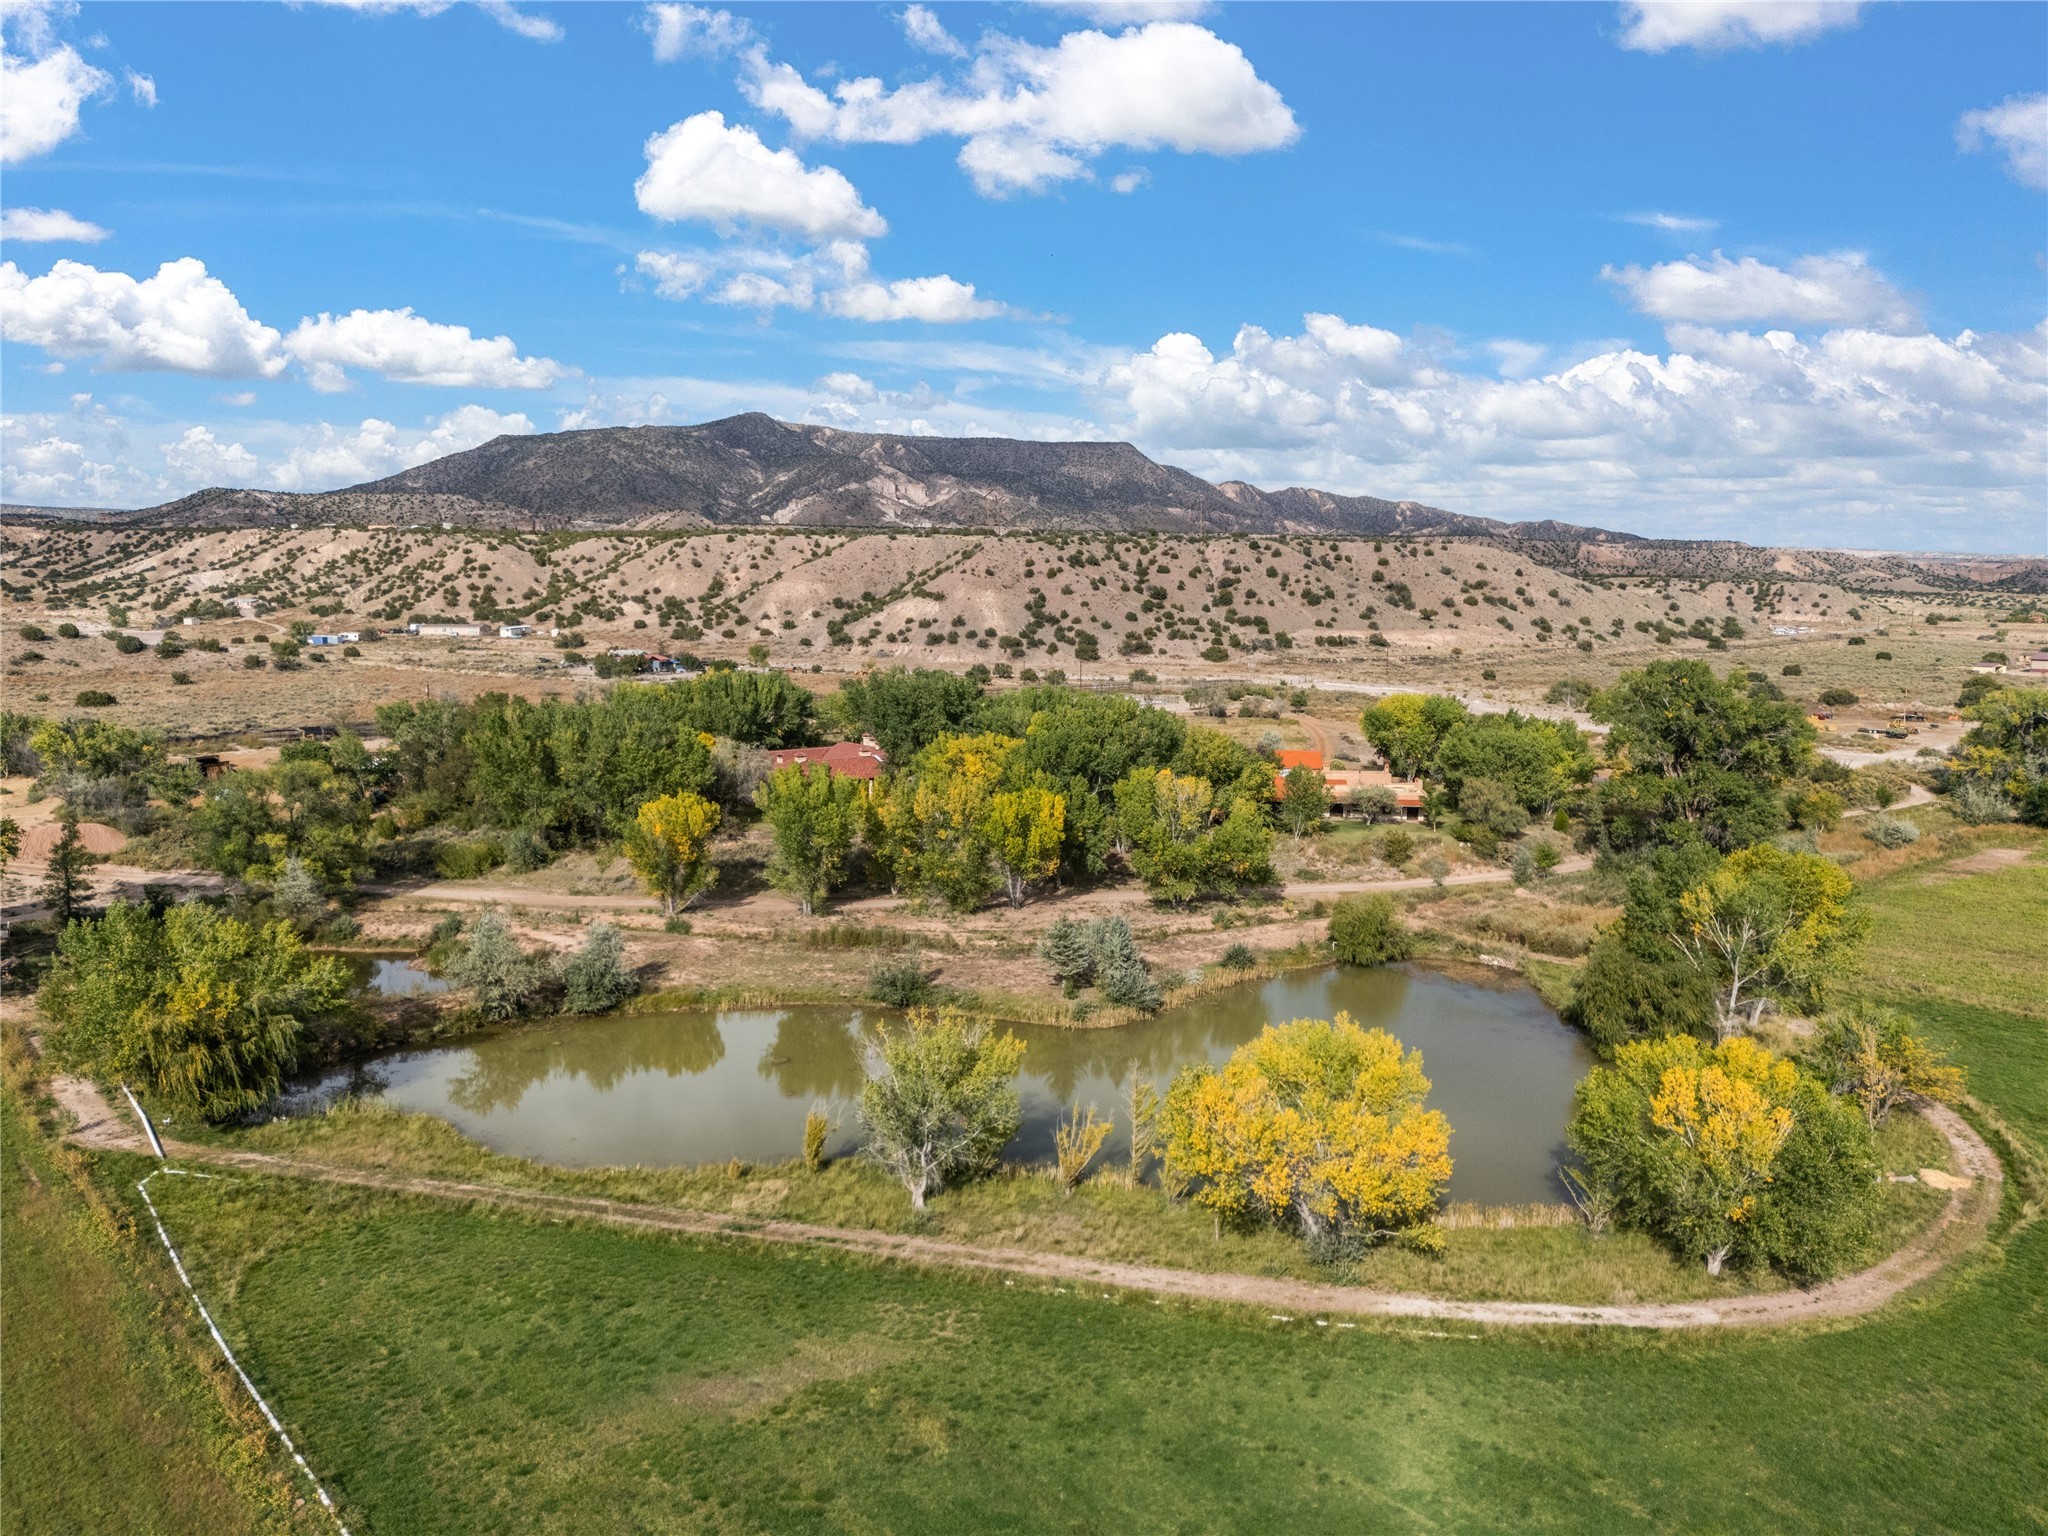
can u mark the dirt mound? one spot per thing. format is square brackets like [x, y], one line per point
[39, 842]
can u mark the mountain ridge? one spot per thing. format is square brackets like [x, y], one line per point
[752, 470]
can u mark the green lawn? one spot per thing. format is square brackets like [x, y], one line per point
[459, 1371]
[1966, 937]
[108, 1426]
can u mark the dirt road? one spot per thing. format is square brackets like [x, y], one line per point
[1968, 1211]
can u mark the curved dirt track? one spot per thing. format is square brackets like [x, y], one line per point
[1968, 1211]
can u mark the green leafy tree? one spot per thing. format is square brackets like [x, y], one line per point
[1407, 728]
[1727, 1152]
[1536, 762]
[1697, 757]
[934, 822]
[2004, 757]
[816, 817]
[1366, 930]
[906, 711]
[940, 1101]
[669, 847]
[1490, 804]
[1769, 922]
[1635, 984]
[1024, 829]
[1304, 801]
[206, 1012]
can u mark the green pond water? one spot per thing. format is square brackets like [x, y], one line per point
[702, 1086]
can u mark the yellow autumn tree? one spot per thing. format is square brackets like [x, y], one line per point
[1318, 1124]
[1727, 1151]
[935, 819]
[668, 844]
[1025, 829]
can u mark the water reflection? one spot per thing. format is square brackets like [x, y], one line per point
[698, 1087]
[391, 978]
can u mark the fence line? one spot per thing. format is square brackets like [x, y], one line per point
[179, 1264]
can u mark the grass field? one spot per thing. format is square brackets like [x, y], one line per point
[461, 1370]
[1929, 919]
[109, 1424]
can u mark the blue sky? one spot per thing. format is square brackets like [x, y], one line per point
[1770, 271]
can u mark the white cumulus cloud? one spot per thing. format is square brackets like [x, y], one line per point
[40, 100]
[1854, 436]
[142, 88]
[410, 349]
[34, 225]
[725, 176]
[936, 300]
[1838, 289]
[181, 320]
[201, 458]
[505, 14]
[2018, 129]
[1720, 26]
[1031, 116]
[327, 457]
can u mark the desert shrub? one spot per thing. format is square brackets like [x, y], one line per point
[32, 632]
[253, 663]
[467, 858]
[525, 852]
[94, 698]
[501, 978]
[341, 930]
[182, 679]
[1890, 831]
[595, 979]
[901, 983]
[676, 925]
[297, 897]
[1979, 803]
[1837, 698]
[127, 645]
[1239, 957]
[1365, 930]
[67, 631]
[1397, 847]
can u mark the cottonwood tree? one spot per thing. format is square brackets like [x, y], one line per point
[1767, 922]
[1024, 830]
[1319, 1125]
[669, 846]
[816, 816]
[934, 819]
[939, 1102]
[1727, 1151]
[1407, 728]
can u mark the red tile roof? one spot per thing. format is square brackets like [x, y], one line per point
[849, 759]
[1299, 757]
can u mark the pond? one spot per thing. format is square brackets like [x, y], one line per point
[698, 1086]
[403, 977]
